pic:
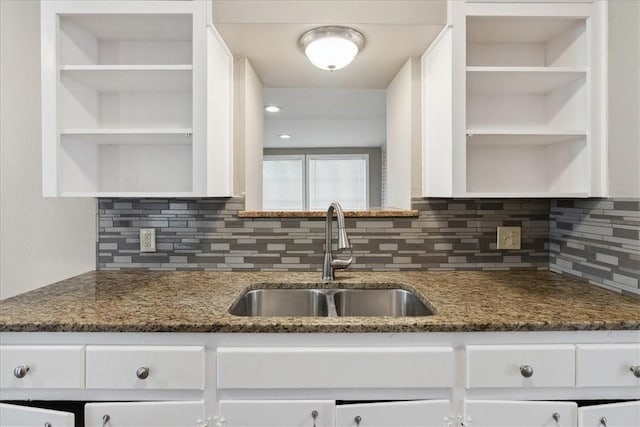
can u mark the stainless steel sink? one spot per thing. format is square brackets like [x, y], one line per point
[281, 302]
[329, 302]
[379, 302]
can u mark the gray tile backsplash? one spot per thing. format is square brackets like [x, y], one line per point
[207, 234]
[597, 240]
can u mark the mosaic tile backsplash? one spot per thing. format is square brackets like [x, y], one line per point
[597, 240]
[207, 234]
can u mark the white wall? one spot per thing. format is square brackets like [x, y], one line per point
[41, 240]
[402, 132]
[248, 131]
[624, 98]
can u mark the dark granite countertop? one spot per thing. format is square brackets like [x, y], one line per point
[197, 301]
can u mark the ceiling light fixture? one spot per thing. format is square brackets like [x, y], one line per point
[284, 136]
[272, 109]
[331, 48]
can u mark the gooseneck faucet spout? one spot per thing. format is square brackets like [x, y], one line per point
[330, 264]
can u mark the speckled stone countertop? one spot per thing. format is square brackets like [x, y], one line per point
[198, 301]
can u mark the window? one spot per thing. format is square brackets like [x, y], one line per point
[312, 182]
[283, 183]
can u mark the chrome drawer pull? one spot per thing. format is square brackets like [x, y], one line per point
[105, 419]
[314, 415]
[526, 371]
[603, 421]
[636, 370]
[357, 419]
[142, 372]
[21, 371]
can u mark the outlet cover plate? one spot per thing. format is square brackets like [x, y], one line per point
[147, 240]
[509, 237]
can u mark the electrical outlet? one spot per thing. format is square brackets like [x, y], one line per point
[509, 237]
[147, 240]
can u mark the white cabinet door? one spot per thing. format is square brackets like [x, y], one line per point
[625, 414]
[434, 413]
[144, 414]
[278, 413]
[18, 416]
[607, 365]
[42, 366]
[504, 413]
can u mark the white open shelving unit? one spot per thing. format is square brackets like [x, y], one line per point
[125, 100]
[525, 94]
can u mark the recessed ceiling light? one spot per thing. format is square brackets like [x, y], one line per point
[284, 136]
[272, 109]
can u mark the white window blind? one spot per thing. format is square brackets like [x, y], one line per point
[313, 182]
[341, 178]
[283, 180]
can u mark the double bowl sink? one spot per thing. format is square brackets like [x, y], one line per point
[314, 302]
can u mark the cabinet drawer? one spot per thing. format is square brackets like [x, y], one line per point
[334, 368]
[520, 366]
[138, 414]
[607, 365]
[124, 367]
[60, 367]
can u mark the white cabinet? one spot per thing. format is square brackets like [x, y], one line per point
[136, 100]
[504, 413]
[355, 380]
[24, 416]
[42, 366]
[325, 413]
[145, 367]
[121, 414]
[392, 414]
[608, 365]
[626, 414]
[520, 366]
[350, 367]
[144, 414]
[278, 413]
[521, 87]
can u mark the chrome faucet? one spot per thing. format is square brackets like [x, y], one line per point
[331, 264]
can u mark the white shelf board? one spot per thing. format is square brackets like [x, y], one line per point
[517, 29]
[128, 136]
[127, 67]
[131, 78]
[137, 194]
[524, 195]
[484, 137]
[520, 80]
[134, 26]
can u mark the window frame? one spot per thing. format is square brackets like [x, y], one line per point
[301, 158]
[306, 160]
[363, 156]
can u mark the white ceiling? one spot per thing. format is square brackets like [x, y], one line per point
[321, 117]
[342, 114]
[267, 32]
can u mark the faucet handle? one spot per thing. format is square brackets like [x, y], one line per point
[343, 263]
